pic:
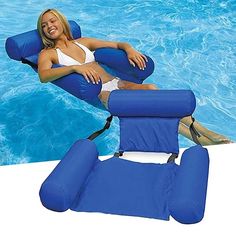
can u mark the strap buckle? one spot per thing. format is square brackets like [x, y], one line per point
[118, 154]
[172, 157]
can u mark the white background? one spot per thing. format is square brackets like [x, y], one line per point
[21, 212]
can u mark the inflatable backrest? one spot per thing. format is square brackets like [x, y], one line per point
[149, 120]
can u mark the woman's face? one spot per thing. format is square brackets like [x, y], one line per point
[51, 26]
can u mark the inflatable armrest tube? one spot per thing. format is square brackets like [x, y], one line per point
[118, 61]
[59, 190]
[187, 201]
[160, 103]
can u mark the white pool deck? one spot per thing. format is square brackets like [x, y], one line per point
[21, 212]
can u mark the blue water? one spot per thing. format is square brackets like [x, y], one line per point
[193, 46]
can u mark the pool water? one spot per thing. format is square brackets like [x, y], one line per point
[193, 46]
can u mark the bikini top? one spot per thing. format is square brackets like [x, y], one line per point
[66, 60]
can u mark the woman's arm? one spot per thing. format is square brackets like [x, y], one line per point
[48, 74]
[134, 56]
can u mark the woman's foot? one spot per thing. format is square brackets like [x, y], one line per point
[217, 138]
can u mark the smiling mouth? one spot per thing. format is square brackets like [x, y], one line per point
[52, 31]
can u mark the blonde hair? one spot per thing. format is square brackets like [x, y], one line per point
[49, 43]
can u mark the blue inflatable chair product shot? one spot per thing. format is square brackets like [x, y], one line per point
[148, 121]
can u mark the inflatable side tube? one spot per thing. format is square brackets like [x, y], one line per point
[159, 103]
[78, 86]
[187, 201]
[59, 190]
[117, 60]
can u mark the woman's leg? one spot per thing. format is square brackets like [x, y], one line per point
[184, 130]
[103, 96]
[214, 137]
[122, 84]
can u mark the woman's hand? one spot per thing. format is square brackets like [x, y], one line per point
[137, 58]
[88, 72]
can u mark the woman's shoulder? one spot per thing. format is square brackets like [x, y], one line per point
[83, 40]
[47, 52]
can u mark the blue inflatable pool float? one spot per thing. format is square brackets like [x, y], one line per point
[26, 47]
[148, 122]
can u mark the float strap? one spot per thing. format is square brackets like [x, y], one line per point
[194, 133]
[106, 126]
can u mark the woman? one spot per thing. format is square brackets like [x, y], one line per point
[77, 56]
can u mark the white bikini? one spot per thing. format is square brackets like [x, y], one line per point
[66, 60]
